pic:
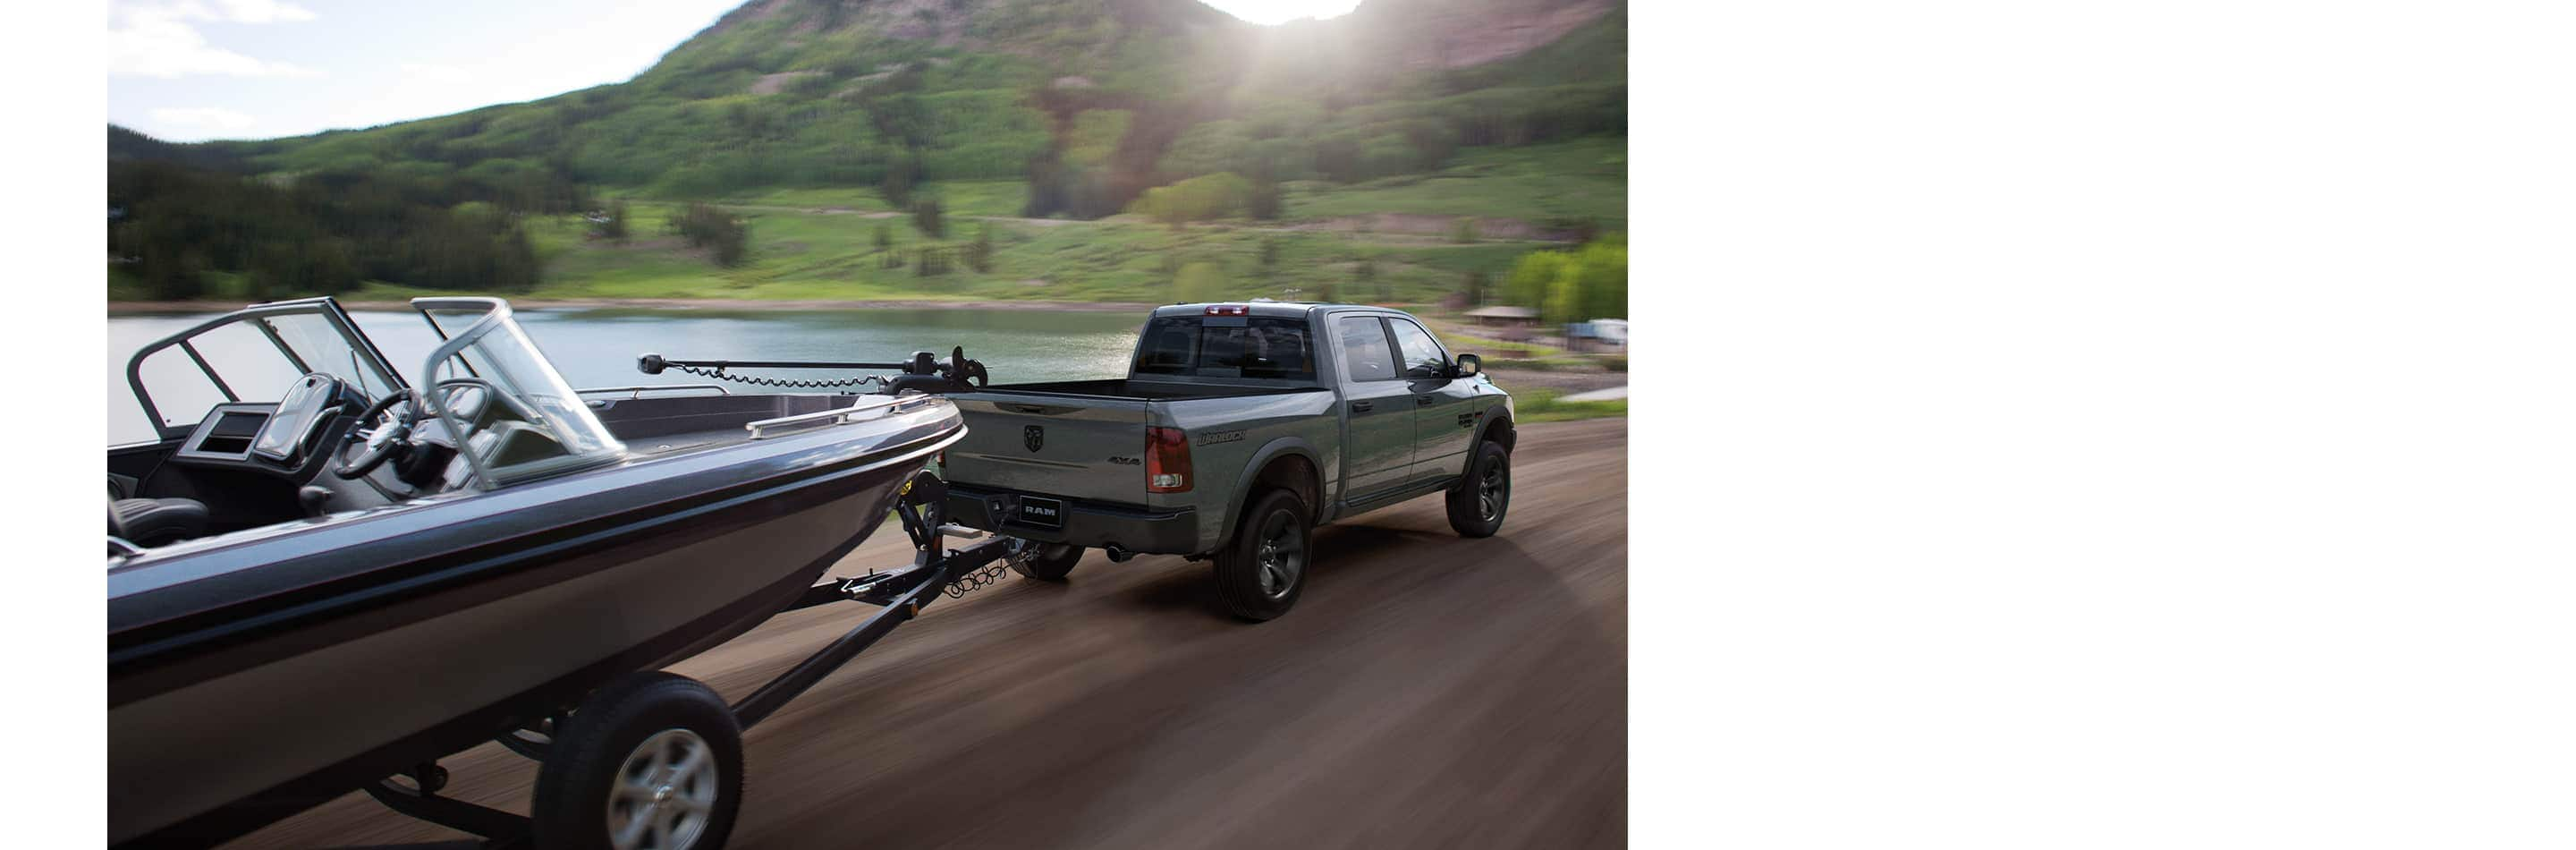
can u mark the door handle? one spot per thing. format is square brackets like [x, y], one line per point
[1422, 399]
[1361, 406]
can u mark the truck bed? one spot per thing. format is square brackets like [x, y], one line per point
[1135, 390]
[1082, 440]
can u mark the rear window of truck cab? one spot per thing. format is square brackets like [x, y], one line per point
[1226, 347]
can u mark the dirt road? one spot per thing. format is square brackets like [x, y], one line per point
[1427, 691]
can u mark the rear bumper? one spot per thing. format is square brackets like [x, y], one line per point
[1086, 523]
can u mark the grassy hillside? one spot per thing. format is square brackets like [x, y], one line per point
[838, 93]
[1578, 179]
[799, 254]
[813, 121]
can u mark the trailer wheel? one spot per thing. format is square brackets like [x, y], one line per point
[1262, 571]
[1480, 498]
[1044, 561]
[653, 760]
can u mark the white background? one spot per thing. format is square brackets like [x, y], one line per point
[2060, 425]
[2103, 425]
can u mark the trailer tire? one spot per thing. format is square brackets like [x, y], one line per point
[1262, 571]
[1049, 561]
[1479, 500]
[656, 746]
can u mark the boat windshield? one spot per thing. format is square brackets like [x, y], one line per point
[489, 383]
[250, 355]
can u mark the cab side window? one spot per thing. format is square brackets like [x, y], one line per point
[1422, 356]
[1365, 353]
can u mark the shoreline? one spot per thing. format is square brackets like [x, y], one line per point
[115, 308]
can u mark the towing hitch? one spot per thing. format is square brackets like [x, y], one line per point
[902, 592]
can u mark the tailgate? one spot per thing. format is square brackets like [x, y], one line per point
[1090, 448]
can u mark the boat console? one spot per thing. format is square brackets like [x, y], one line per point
[277, 436]
[226, 434]
[249, 464]
[340, 429]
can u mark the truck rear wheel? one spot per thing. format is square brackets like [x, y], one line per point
[1044, 561]
[1262, 571]
[1479, 499]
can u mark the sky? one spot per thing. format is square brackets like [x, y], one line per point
[191, 70]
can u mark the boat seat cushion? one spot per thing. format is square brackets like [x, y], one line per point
[155, 522]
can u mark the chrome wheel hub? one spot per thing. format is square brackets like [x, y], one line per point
[665, 793]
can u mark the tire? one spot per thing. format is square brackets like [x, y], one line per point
[1262, 571]
[1049, 561]
[1478, 502]
[646, 725]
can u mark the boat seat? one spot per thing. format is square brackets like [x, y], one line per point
[156, 522]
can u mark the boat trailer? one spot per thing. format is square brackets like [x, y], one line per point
[900, 593]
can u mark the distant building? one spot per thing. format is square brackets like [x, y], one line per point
[1504, 316]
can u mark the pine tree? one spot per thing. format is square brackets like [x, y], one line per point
[979, 254]
[1266, 200]
[896, 185]
[925, 216]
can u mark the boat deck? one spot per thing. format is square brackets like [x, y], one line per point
[666, 425]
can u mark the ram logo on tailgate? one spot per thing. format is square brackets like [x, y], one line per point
[1033, 436]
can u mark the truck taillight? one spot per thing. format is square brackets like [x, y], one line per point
[1167, 460]
[1229, 310]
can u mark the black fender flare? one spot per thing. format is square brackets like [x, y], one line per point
[1269, 452]
[1498, 418]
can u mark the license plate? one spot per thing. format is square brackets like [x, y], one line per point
[1045, 513]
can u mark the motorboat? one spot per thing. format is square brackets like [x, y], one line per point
[326, 574]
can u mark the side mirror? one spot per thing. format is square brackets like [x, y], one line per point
[1469, 366]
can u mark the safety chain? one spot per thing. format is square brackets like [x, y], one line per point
[719, 374]
[978, 580]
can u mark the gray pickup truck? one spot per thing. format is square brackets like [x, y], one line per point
[1238, 429]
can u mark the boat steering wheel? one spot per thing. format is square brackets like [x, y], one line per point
[384, 442]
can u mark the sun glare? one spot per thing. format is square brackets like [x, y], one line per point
[1283, 11]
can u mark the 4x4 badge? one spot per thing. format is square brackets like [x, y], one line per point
[1033, 436]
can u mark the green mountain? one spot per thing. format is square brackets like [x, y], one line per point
[1106, 95]
[1510, 110]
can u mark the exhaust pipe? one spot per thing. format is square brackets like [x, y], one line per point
[1117, 554]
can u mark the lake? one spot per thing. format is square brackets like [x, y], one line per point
[598, 347]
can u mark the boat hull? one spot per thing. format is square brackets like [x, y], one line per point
[228, 710]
